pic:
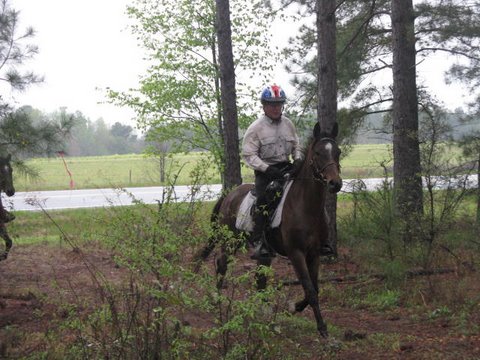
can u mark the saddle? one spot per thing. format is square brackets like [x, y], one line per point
[244, 220]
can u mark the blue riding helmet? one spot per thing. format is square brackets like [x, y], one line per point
[273, 94]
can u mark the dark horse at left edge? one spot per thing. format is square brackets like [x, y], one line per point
[304, 224]
[6, 185]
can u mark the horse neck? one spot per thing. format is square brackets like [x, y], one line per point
[306, 189]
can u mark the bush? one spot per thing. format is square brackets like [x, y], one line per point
[166, 310]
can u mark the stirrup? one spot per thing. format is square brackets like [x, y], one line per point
[262, 251]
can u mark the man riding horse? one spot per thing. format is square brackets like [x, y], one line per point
[268, 144]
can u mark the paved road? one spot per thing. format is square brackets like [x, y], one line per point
[72, 199]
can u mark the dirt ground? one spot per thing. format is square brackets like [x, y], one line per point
[33, 273]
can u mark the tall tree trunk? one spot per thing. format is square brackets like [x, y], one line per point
[478, 191]
[232, 175]
[218, 99]
[406, 149]
[327, 90]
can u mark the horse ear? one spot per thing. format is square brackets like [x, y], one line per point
[335, 130]
[316, 131]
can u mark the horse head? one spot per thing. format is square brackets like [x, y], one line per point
[6, 180]
[324, 158]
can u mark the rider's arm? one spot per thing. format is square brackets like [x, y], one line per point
[251, 150]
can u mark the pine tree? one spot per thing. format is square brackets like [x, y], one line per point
[20, 135]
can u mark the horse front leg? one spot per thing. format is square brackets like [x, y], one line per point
[313, 264]
[8, 241]
[302, 269]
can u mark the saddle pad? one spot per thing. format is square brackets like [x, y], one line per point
[277, 215]
[244, 218]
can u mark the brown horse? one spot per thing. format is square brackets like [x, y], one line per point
[303, 229]
[6, 185]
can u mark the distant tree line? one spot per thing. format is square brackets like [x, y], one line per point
[377, 129]
[90, 138]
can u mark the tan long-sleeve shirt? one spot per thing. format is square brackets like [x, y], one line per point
[267, 142]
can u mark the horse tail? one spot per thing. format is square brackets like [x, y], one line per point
[203, 253]
[216, 210]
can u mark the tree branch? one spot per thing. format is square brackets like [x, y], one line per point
[451, 51]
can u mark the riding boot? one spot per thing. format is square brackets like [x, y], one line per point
[262, 249]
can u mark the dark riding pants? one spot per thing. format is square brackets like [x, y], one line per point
[264, 204]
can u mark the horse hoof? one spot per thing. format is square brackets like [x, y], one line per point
[221, 285]
[196, 267]
[3, 257]
[323, 332]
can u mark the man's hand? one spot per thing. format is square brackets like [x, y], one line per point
[273, 173]
[297, 165]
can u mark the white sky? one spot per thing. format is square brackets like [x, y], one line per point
[85, 46]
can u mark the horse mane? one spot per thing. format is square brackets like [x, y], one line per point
[309, 145]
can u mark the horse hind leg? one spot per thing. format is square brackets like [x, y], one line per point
[221, 265]
[260, 278]
[203, 254]
[213, 240]
[8, 242]
[228, 249]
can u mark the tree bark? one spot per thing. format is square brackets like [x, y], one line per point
[232, 174]
[406, 149]
[478, 191]
[327, 91]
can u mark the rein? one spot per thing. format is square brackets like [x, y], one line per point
[318, 174]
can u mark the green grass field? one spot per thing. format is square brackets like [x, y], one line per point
[134, 171]
[138, 170]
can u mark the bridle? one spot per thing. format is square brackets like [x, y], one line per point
[318, 173]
